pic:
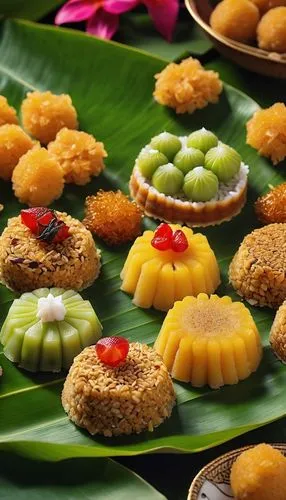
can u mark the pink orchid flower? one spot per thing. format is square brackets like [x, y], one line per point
[102, 16]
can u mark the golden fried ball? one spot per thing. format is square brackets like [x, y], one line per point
[236, 19]
[265, 5]
[14, 143]
[7, 113]
[266, 132]
[187, 86]
[44, 114]
[37, 179]
[271, 31]
[79, 155]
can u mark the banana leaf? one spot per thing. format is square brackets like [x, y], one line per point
[111, 87]
[27, 9]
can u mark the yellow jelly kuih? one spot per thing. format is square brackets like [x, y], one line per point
[159, 278]
[209, 340]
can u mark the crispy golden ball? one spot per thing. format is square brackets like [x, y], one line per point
[7, 113]
[265, 5]
[14, 143]
[44, 114]
[113, 217]
[37, 179]
[236, 19]
[259, 474]
[271, 31]
[79, 155]
[187, 86]
[271, 207]
[266, 132]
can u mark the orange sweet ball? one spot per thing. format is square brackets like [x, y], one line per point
[14, 143]
[7, 113]
[113, 217]
[79, 155]
[271, 31]
[235, 19]
[44, 114]
[271, 207]
[265, 5]
[38, 178]
[266, 132]
[187, 86]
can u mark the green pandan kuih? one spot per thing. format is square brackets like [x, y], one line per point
[45, 329]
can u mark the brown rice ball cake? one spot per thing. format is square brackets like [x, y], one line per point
[258, 269]
[278, 333]
[26, 263]
[136, 396]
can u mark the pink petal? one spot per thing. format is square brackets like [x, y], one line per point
[103, 24]
[119, 6]
[75, 10]
[164, 14]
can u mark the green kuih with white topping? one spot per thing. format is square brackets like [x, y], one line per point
[200, 184]
[168, 179]
[223, 161]
[189, 158]
[149, 160]
[45, 329]
[202, 139]
[166, 143]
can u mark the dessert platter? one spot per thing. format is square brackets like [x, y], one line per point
[142, 268]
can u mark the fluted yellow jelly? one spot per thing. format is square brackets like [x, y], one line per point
[209, 341]
[159, 278]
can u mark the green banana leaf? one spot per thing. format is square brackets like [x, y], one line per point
[111, 86]
[28, 9]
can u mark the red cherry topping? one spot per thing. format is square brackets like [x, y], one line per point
[112, 350]
[179, 241]
[44, 223]
[165, 239]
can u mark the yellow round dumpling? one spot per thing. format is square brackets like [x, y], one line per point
[38, 178]
[14, 143]
[271, 31]
[44, 114]
[7, 113]
[265, 5]
[235, 19]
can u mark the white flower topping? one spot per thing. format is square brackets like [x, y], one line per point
[51, 308]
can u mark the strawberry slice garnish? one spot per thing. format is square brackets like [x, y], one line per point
[44, 223]
[112, 350]
[179, 241]
[165, 239]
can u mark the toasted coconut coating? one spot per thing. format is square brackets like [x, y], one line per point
[113, 217]
[271, 31]
[79, 155]
[44, 114]
[134, 397]
[265, 5]
[257, 271]
[187, 86]
[14, 143]
[37, 178]
[27, 263]
[271, 207]
[278, 333]
[235, 19]
[7, 113]
[266, 132]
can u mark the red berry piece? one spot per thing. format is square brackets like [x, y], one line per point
[112, 350]
[179, 241]
[62, 234]
[162, 237]
[34, 218]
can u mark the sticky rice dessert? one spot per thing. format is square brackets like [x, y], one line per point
[46, 329]
[257, 271]
[209, 340]
[14, 143]
[132, 396]
[259, 473]
[166, 265]
[67, 258]
[194, 180]
[278, 334]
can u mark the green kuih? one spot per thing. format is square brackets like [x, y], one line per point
[189, 158]
[223, 161]
[166, 143]
[149, 160]
[200, 184]
[202, 139]
[168, 179]
[47, 328]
